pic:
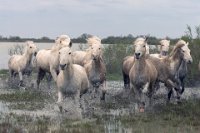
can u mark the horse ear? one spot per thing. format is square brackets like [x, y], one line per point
[89, 42]
[70, 44]
[147, 37]
[169, 41]
[187, 43]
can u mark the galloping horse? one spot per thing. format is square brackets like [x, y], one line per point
[143, 74]
[47, 60]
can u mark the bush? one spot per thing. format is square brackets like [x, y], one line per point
[16, 49]
[113, 56]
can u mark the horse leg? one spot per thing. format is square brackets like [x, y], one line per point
[169, 85]
[53, 73]
[21, 79]
[103, 92]
[40, 76]
[126, 81]
[182, 85]
[60, 97]
[49, 78]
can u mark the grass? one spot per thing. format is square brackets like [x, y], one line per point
[114, 77]
[24, 96]
[4, 73]
[26, 100]
[170, 118]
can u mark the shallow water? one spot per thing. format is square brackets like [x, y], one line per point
[108, 117]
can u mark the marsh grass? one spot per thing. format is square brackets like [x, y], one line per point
[25, 96]
[4, 73]
[26, 100]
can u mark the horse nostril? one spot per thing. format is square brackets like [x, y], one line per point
[35, 53]
[137, 54]
[62, 66]
[190, 61]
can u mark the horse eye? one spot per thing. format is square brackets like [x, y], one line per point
[99, 48]
[69, 53]
[59, 52]
[30, 47]
[183, 51]
[144, 46]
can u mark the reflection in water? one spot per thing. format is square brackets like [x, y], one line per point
[3, 108]
[113, 125]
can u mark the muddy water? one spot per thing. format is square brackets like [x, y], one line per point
[104, 118]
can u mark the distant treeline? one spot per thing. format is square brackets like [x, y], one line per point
[82, 39]
[128, 39]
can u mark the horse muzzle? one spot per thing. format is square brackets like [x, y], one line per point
[95, 57]
[35, 53]
[164, 53]
[62, 66]
[137, 55]
[190, 61]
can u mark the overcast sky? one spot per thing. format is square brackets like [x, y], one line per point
[37, 18]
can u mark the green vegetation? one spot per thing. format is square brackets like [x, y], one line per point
[4, 71]
[26, 100]
[24, 96]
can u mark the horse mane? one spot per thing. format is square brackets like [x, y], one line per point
[140, 39]
[175, 53]
[93, 39]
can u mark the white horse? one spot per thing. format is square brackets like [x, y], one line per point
[20, 63]
[79, 56]
[164, 48]
[47, 60]
[72, 80]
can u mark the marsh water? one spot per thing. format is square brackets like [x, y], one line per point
[30, 110]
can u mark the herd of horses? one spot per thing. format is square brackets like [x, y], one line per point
[79, 72]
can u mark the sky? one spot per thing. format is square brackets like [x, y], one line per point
[38, 18]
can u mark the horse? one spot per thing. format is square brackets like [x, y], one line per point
[79, 56]
[72, 81]
[143, 74]
[95, 66]
[164, 48]
[167, 67]
[21, 63]
[182, 71]
[47, 60]
[126, 66]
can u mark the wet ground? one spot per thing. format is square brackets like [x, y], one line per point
[30, 110]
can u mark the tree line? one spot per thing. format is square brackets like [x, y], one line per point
[128, 39]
